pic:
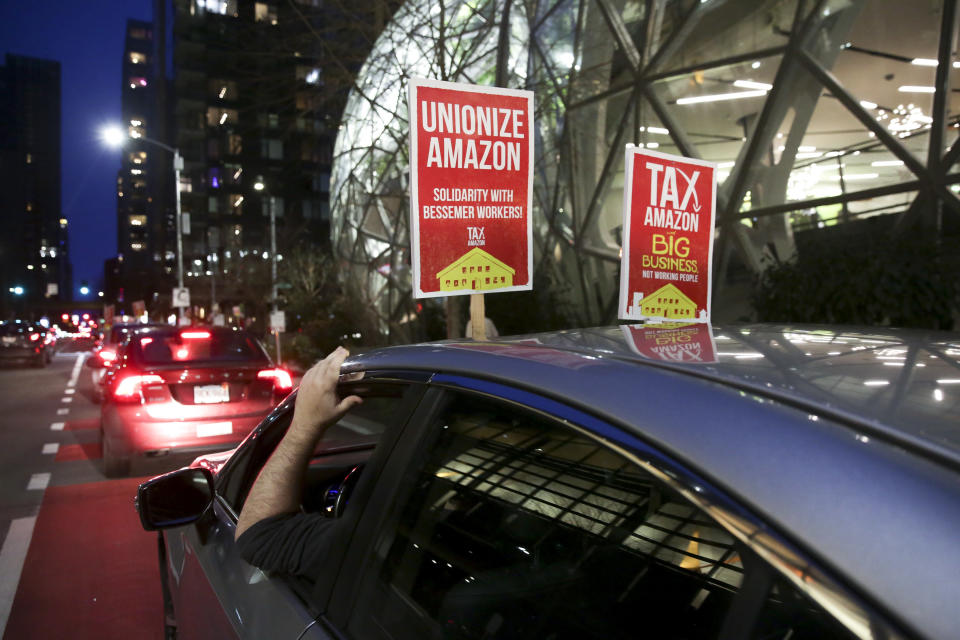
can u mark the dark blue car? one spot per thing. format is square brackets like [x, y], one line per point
[624, 482]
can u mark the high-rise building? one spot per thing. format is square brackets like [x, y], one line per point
[34, 251]
[143, 181]
[255, 138]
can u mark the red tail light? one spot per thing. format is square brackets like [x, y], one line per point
[34, 337]
[129, 388]
[281, 379]
[107, 355]
[194, 335]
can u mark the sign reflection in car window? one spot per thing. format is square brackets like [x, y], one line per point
[516, 526]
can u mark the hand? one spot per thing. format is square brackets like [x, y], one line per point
[317, 405]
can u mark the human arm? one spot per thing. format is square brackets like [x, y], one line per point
[278, 488]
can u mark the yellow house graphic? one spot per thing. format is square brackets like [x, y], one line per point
[668, 302]
[476, 269]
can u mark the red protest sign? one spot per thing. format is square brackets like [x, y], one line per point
[672, 341]
[669, 206]
[471, 188]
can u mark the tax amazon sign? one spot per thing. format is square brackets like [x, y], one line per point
[669, 206]
[471, 188]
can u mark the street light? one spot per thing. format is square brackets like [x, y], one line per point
[114, 136]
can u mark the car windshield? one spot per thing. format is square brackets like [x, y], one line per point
[191, 346]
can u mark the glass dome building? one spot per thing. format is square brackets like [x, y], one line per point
[820, 114]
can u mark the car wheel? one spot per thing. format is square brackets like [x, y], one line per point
[114, 464]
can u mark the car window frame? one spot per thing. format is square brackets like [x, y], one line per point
[259, 445]
[781, 556]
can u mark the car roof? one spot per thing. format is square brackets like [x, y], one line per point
[902, 384]
[791, 419]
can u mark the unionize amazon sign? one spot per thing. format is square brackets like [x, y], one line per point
[669, 205]
[471, 182]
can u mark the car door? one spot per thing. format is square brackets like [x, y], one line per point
[214, 592]
[511, 515]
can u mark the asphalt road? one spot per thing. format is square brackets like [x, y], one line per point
[53, 496]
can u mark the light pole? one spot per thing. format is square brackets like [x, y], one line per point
[115, 137]
[259, 186]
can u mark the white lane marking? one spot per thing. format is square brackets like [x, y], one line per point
[12, 556]
[57, 426]
[76, 369]
[51, 447]
[70, 391]
[38, 481]
[67, 399]
[63, 412]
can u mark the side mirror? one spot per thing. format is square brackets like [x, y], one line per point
[174, 499]
[94, 362]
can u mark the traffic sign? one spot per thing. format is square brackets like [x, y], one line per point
[181, 297]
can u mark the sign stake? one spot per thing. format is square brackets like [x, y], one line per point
[478, 317]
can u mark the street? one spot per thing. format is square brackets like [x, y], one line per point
[74, 560]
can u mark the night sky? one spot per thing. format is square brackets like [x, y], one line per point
[87, 39]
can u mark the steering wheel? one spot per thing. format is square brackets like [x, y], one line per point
[336, 497]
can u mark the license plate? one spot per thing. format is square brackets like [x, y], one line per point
[214, 429]
[9, 340]
[211, 393]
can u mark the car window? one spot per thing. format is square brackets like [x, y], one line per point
[358, 431]
[516, 526]
[197, 346]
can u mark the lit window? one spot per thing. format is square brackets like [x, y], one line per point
[136, 246]
[138, 82]
[63, 222]
[310, 75]
[137, 57]
[138, 220]
[136, 122]
[29, 159]
[223, 7]
[222, 89]
[29, 206]
[272, 149]
[217, 116]
[136, 172]
[263, 12]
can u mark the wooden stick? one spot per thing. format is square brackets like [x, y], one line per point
[478, 317]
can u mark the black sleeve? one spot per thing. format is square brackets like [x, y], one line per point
[288, 543]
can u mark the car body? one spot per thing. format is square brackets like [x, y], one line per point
[661, 481]
[22, 341]
[185, 389]
[104, 355]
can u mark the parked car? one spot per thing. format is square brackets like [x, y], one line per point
[104, 356]
[185, 389]
[22, 341]
[665, 482]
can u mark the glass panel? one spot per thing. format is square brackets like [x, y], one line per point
[886, 58]
[717, 107]
[729, 29]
